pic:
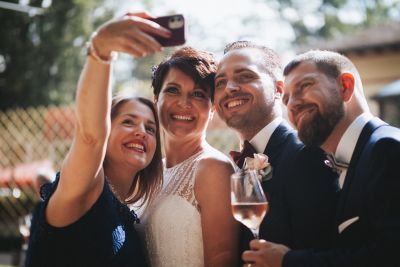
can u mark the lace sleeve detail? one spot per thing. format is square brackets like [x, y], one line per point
[181, 179]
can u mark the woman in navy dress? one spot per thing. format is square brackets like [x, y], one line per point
[114, 160]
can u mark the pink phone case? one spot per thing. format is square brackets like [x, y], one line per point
[174, 23]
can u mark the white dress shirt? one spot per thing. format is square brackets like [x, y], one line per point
[347, 143]
[261, 139]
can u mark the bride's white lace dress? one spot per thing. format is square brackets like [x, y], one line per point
[172, 224]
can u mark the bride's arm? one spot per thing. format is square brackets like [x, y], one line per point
[220, 229]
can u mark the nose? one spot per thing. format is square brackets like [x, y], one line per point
[140, 131]
[184, 102]
[232, 86]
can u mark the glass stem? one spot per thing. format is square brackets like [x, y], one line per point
[255, 232]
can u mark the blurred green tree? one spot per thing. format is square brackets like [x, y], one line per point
[41, 56]
[330, 18]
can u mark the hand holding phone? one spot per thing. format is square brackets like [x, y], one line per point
[175, 24]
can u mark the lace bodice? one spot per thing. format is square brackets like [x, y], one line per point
[172, 224]
[179, 179]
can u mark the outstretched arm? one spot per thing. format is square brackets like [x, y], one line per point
[81, 174]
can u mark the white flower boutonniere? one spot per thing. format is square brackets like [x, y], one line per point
[260, 164]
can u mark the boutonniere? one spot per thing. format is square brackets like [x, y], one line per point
[260, 164]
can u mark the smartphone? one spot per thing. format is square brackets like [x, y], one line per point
[174, 23]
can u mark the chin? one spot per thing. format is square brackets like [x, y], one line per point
[139, 163]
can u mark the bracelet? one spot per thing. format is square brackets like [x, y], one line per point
[91, 51]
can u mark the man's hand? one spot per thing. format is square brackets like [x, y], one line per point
[264, 254]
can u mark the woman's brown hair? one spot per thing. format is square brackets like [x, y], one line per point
[149, 180]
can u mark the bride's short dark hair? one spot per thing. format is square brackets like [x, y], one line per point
[201, 66]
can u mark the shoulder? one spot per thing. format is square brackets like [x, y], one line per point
[213, 158]
[385, 141]
[289, 143]
[212, 176]
[386, 133]
[213, 166]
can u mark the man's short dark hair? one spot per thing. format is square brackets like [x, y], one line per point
[272, 61]
[330, 63]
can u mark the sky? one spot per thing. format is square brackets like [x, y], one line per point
[211, 24]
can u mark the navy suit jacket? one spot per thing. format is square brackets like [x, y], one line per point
[302, 194]
[370, 199]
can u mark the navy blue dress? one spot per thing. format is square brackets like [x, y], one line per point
[104, 236]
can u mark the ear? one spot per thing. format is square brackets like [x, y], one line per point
[347, 80]
[279, 89]
[155, 99]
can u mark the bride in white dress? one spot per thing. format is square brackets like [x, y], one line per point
[190, 223]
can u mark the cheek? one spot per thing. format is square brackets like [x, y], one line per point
[290, 116]
[161, 113]
[152, 144]
[217, 95]
[111, 140]
[159, 107]
[206, 110]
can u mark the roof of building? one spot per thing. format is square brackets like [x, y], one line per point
[385, 36]
[390, 90]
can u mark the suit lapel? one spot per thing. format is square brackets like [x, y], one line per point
[366, 133]
[274, 150]
[275, 142]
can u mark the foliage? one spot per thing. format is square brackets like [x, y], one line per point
[41, 56]
[335, 17]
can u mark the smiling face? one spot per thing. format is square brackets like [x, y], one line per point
[244, 91]
[184, 107]
[132, 142]
[313, 102]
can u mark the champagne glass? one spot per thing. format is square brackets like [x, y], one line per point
[249, 204]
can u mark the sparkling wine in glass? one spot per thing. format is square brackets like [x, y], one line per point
[249, 204]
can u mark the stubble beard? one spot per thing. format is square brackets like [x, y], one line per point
[249, 122]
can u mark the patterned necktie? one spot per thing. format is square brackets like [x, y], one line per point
[247, 151]
[336, 165]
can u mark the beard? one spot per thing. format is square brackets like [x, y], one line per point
[316, 130]
[251, 121]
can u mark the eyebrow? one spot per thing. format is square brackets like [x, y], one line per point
[235, 72]
[219, 75]
[173, 83]
[305, 78]
[196, 86]
[134, 116]
[243, 70]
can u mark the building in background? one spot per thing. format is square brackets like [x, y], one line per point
[376, 53]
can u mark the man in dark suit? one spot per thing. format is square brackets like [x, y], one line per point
[302, 192]
[325, 100]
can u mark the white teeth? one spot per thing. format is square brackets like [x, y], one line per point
[181, 117]
[138, 146]
[235, 103]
